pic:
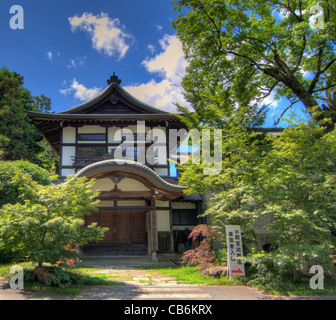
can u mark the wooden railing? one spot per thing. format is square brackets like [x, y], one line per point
[83, 161]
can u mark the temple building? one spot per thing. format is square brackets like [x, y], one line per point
[124, 144]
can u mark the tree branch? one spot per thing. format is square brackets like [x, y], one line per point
[277, 122]
[220, 46]
[317, 76]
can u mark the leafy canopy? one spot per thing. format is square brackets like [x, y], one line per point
[242, 52]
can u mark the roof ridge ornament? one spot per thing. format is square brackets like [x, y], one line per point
[113, 79]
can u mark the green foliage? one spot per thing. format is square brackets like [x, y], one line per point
[50, 221]
[13, 181]
[266, 272]
[19, 139]
[61, 278]
[240, 53]
[6, 255]
[221, 256]
[288, 178]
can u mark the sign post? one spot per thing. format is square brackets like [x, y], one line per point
[235, 251]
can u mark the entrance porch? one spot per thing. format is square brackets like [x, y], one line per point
[129, 194]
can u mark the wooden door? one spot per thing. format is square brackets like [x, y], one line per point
[124, 227]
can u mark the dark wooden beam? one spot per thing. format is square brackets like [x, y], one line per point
[125, 195]
[127, 209]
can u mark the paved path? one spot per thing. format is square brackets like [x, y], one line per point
[140, 285]
[144, 285]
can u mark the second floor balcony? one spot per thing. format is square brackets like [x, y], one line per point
[82, 160]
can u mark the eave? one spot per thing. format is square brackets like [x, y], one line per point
[50, 124]
[100, 117]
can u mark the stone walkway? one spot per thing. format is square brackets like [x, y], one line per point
[131, 276]
[145, 285]
[140, 285]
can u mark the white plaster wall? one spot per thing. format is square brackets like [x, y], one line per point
[160, 203]
[131, 185]
[163, 220]
[67, 153]
[114, 135]
[106, 203]
[126, 184]
[183, 205]
[69, 135]
[103, 185]
[67, 172]
[132, 203]
[91, 129]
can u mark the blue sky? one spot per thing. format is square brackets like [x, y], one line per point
[68, 49]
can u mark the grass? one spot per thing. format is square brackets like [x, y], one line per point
[82, 276]
[192, 275]
[301, 288]
[185, 274]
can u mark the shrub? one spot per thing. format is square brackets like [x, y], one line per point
[203, 255]
[221, 256]
[60, 278]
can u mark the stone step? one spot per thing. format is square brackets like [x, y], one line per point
[128, 249]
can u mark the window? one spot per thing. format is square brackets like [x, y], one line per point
[184, 217]
[92, 137]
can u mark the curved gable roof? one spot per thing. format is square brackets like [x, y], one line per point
[114, 98]
[133, 170]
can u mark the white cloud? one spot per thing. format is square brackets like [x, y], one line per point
[170, 63]
[151, 48]
[170, 66]
[160, 94]
[52, 55]
[77, 62]
[80, 91]
[108, 35]
[158, 27]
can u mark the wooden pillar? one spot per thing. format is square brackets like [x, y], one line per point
[172, 249]
[149, 232]
[154, 232]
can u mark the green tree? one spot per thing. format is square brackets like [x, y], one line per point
[245, 51]
[19, 139]
[12, 183]
[287, 178]
[50, 221]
